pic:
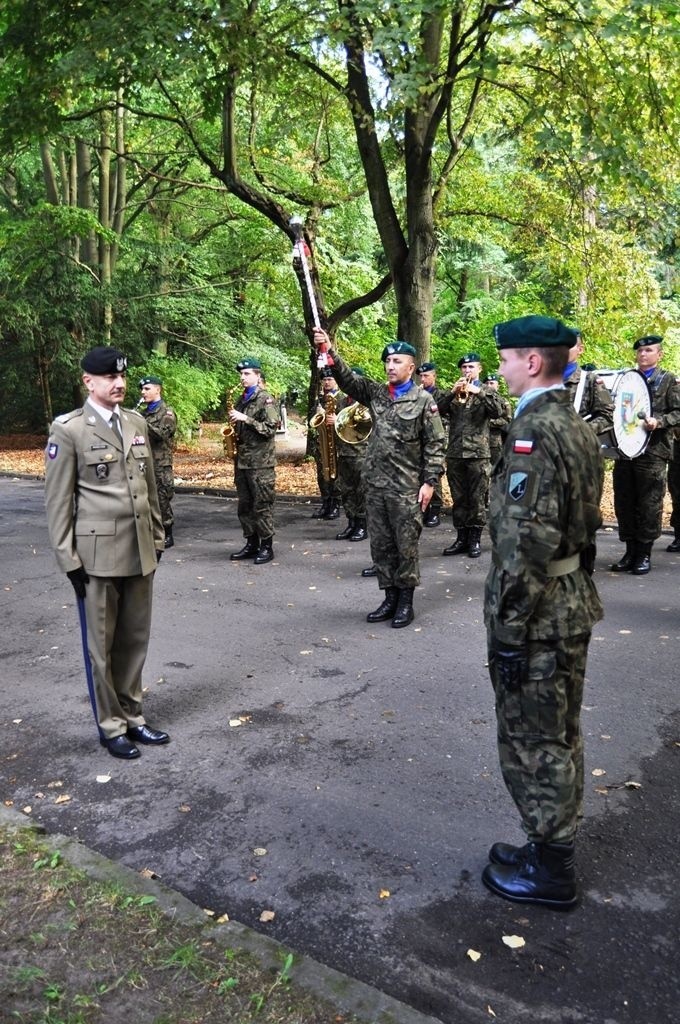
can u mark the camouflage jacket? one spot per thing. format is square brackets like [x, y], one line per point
[256, 437]
[596, 404]
[545, 506]
[499, 425]
[407, 443]
[469, 423]
[161, 424]
[665, 390]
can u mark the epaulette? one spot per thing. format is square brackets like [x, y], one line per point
[67, 416]
[133, 412]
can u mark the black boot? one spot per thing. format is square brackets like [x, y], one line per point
[359, 532]
[265, 552]
[404, 612]
[460, 544]
[333, 510]
[474, 538]
[346, 534]
[371, 571]
[625, 563]
[248, 551]
[320, 512]
[642, 562]
[387, 608]
[674, 544]
[169, 539]
[506, 853]
[431, 517]
[545, 875]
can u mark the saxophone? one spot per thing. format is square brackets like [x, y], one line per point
[327, 452]
[228, 431]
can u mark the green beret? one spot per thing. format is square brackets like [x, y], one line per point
[151, 379]
[358, 370]
[490, 376]
[533, 332]
[102, 360]
[397, 348]
[649, 339]
[426, 368]
[326, 372]
[249, 364]
[469, 357]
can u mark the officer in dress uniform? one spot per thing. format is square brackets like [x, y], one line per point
[161, 423]
[255, 419]
[404, 460]
[105, 528]
[640, 483]
[540, 605]
[428, 382]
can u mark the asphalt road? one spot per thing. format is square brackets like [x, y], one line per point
[364, 764]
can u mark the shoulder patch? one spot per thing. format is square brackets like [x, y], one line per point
[269, 401]
[523, 447]
[517, 485]
[433, 408]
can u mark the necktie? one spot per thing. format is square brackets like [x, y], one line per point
[115, 425]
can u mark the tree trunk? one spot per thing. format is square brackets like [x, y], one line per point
[86, 199]
[105, 220]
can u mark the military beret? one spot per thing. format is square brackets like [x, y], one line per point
[326, 372]
[469, 357]
[104, 359]
[490, 376]
[533, 332]
[358, 370]
[576, 333]
[649, 339]
[426, 368]
[151, 379]
[248, 364]
[588, 367]
[397, 348]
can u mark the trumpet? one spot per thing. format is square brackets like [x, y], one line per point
[461, 390]
[228, 431]
[354, 423]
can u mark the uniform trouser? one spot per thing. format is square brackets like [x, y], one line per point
[394, 524]
[350, 487]
[674, 491]
[327, 488]
[118, 614]
[639, 489]
[469, 482]
[166, 492]
[256, 490]
[540, 746]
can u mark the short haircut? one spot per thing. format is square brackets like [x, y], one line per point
[555, 359]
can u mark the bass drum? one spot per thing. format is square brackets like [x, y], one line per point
[632, 404]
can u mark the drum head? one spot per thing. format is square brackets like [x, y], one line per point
[632, 403]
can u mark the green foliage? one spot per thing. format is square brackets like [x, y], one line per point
[191, 391]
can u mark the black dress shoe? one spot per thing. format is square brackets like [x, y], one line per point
[674, 545]
[120, 746]
[371, 571]
[431, 520]
[143, 734]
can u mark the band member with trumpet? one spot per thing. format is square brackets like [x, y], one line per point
[592, 400]
[640, 483]
[428, 382]
[404, 460]
[470, 407]
[326, 462]
[353, 425]
[255, 418]
[161, 423]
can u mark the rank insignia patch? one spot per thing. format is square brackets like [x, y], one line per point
[517, 485]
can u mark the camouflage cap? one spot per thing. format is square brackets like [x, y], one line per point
[103, 360]
[426, 368]
[533, 332]
[398, 348]
[248, 364]
[151, 379]
[469, 357]
[648, 339]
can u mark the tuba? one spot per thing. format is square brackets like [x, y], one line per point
[327, 452]
[228, 431]
[353, 424]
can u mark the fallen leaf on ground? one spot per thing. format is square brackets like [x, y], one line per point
[514, 941]
[633, 785]
[235, 722]
[260, 851]
[474, 955]
[267, 915]
[598, 772]
[184, 808]
[222, 919]
[55, 785]
[148, 873]
[103, 778]
[63, 799]
[384, 894]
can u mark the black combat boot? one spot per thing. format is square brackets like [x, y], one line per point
[333, 510]
[371, 571]
[431, 517]
[474, 541]
[642, 562]
[346, 534]
[359, 532]
[506, 853]
[169, 539]
[248, 551]
[404, 612]
[674, 544]
[265, 552]
[545, 874]
[460, 544]
[387, 609]
[625, 563]
[320, 512]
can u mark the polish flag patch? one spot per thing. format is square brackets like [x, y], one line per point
[523, 447]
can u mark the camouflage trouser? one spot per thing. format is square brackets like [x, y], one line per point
[469, 483]
[674, 491]
[540, 746]
[394, 524]
[639, 489]
[165, 485]
[255, 489]
[351, 488]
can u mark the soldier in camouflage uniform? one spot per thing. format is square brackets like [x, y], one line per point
[255, 419]
[405, 448]
[428, 382]
[161, 423]
[498, 426]
[673, 479]
[470, 406]
[350, 460]
[329, 489]
[594, 401]
[540, 606]
[640, 483]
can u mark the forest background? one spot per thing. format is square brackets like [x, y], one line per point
[454, 164]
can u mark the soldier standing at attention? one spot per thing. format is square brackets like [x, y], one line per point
[404, 460]
[105, 528]
[428, 382]
[469, 406]
[594, 401]
[350, 458]
[640, 483]
[161, 423]
[255, 418]
[498, 426]
[540, 605]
